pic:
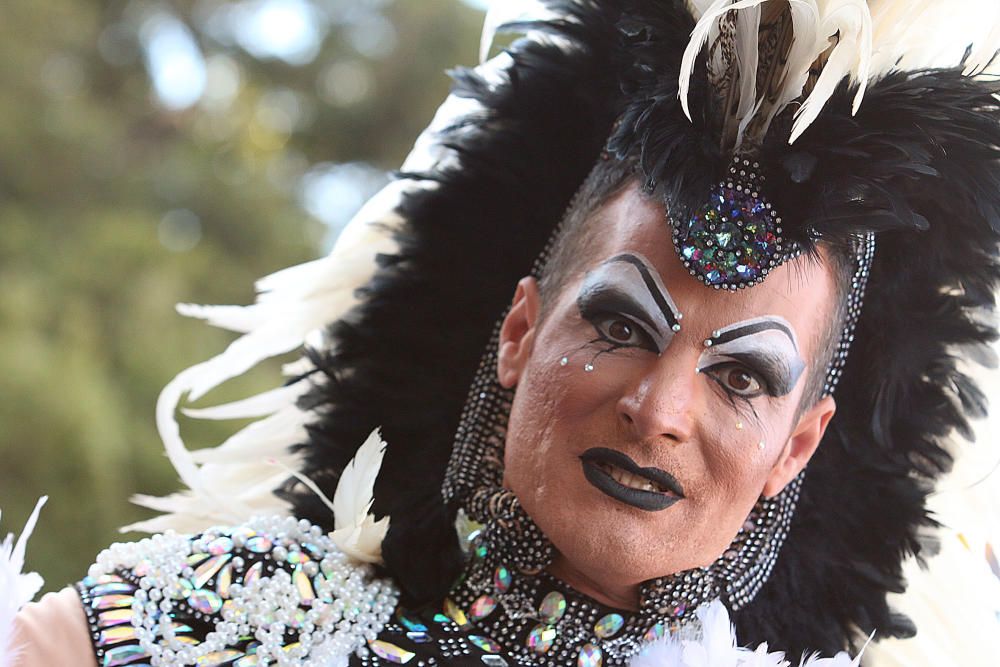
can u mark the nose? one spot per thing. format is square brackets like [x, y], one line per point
[662, 402]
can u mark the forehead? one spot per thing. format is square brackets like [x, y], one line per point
[799, 290]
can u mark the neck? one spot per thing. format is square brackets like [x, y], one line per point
[625, 596]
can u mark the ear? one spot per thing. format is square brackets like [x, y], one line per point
[517, 334]
[800, 446]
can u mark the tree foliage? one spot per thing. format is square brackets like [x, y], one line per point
[114, 206]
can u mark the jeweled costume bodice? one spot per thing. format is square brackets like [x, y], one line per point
[278, 591]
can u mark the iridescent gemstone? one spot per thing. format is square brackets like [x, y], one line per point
[680, 609]
[179, 589]
[390, 652]
[481, 550]
[116, 635]
[553, 607]
[216, 658]
[253, 574]
[658, 631]
[123, 655]
[418, 637]
[609, 625]
[302, 585]
[296, 558]
[194, 559]
[455, 613]
[501, 579]
[224, 581]
[108, 619]
[442, 619]
[220, 545]
[208, 569]
[726, 234]
[493, 661]
[259, 544]
[590, 656]
[485, 643]
[111, 601]
[541, 638]
[248, 661]
[482, 607]
[410, 624]
[108, 589]
[205, 601]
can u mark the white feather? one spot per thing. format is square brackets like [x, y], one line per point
[851, 57]
[869, 40]
[501, 12]
[703, 30]
[16, 588]
[711, 642]
[261, 405]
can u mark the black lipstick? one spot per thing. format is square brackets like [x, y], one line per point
[596, 460]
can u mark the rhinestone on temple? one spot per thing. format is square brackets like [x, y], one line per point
[735, 238]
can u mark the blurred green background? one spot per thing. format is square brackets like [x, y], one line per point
[156, 151]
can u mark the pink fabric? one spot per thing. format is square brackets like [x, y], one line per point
[53, 632]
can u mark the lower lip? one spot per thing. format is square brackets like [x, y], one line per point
[649, 501]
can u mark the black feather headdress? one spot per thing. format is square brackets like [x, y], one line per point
[915, 163]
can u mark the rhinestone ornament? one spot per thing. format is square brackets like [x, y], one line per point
[735, 238]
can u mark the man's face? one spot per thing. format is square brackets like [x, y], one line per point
[606, 385]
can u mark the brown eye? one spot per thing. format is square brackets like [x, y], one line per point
[741, 381]
[620, 330]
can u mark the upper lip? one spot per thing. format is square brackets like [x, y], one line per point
[623, 461]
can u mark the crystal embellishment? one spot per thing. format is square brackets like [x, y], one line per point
[485, 644]
[590, 656]
[609, 625]
[553, 607]
[482, 607]
[391, 652]
[541, 638]
[735, 238]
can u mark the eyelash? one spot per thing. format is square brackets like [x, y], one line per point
[596, 319]
[714, 372]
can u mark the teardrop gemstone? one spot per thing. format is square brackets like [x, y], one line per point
[455, 613]
[553, 607]
[303, 585]
[390, 652]
[590, 656]
[205, 601]
[208, 569]
[253, 574]
[501, 579]
[541, 638]
[482, 607]
[485, 644]
[609, 625]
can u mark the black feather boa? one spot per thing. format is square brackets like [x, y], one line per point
[918, 164]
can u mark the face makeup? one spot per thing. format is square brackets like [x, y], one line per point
[626, 301]
[618, 476]
[765, 346]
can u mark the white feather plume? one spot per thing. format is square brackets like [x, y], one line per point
[16, 588]
[711, 642]
[861, 41]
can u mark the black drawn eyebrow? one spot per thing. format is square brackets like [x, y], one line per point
[742, 330]
[654, 290]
